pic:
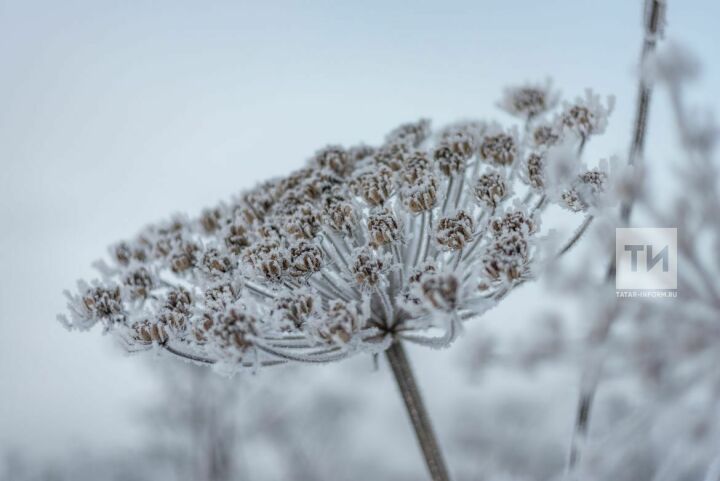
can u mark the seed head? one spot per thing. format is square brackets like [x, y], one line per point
[305, 258]
[440, 291]
[420, 196]
[367, 268]
[499, 148]
[361, 246]
[455, 232]
[490, 189]
[293, 310]
[528, 101]
[383, 227]
[374, 187]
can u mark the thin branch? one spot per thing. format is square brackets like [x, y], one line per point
[576, 237]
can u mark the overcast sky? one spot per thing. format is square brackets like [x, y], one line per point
[116, 114]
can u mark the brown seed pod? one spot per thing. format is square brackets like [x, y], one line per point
[236, 238]
[211, 220]
[417, 165]
[125, 252]
[411, 133]
[147, 332]
[341, 321]
[583, 192]
[545, 135]
[529, 101]
[334, 158]
[421, 196]
[104, 303]
[514, 221]
[140, 282]
[440, 291]
[500, 149]
[367, 268]
[305, 258]
[215, 263]
[461, 143]
[268, 259]
[383, 228]
[580, 118]
[535, 170]
[294, 309]
[449, 161]
[392, 156]
[455, 232]
[374, 187]
[490, 189]
[507, 256]
[218, 297]
[232, 329]
[340, 216]
[304, 222]
[184, 257]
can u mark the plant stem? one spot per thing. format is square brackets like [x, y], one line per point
[654, 18]
[416, 410]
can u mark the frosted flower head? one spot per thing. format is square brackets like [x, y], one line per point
[421, 195]
[499, 146]
[529, 100]
[367, 268]
[585, 191]
[586, 115]
[507, 258]
[383, 227]
[361, 246]
[490, 189]
[455, 232]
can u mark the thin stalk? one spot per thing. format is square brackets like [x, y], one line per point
[654, 12]
[416, 410]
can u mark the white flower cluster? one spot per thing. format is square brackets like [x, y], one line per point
[362, 246]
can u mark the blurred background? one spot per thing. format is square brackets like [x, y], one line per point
[116, 114]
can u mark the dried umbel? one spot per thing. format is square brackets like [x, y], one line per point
[374, 187]
[383, 228]
[367, 268]
[585, 190]
[362, 247]
[441, 291]
[490, 189]
[586, 116]
[535, 170]
[421, 195]
[305, 258]
[500, 148]
[455, 232]
[545, 135]
[294, 309]
[508, 257]
[530, 100]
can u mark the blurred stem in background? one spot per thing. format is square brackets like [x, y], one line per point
[416, 410]
[653, 21]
